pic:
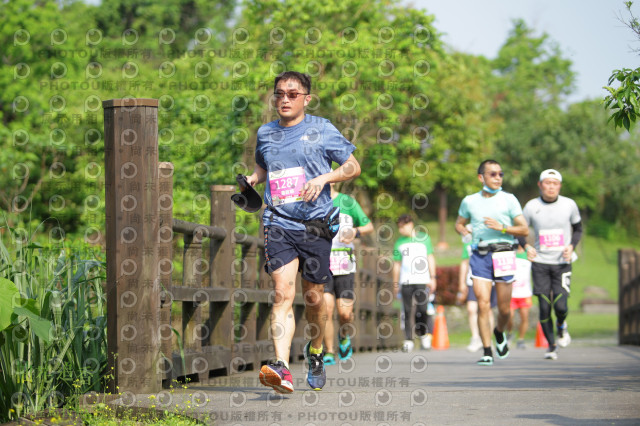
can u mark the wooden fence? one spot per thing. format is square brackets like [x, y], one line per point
[629, 297]
[220, 307]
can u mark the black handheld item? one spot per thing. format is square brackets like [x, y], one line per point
[248, 199]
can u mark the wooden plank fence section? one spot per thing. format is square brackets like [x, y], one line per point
[221, 305]
[629, 297]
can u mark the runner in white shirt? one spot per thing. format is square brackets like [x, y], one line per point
[557, 229]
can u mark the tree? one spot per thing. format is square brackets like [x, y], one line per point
[374, 66]
[463, 129]
[624, 101]
[602, 170]
[534, 78]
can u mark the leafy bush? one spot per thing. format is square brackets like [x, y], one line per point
[52, 324]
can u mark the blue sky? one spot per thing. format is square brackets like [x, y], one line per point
[588, 32]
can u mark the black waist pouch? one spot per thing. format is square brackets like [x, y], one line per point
[498, 247]
[326, 227]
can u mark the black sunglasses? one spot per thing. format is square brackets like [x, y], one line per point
[290, 95]
[494, 174]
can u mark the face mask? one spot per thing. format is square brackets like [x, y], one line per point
[485, 188]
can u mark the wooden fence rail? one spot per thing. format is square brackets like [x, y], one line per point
[629, 297]
[220, 307]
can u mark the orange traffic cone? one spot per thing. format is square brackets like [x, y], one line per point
[541, 341]
[440, 333]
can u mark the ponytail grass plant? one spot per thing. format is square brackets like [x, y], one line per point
[52, 322]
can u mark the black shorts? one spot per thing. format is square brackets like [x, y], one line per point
[281, 246]
[548, 278]
[341, 286]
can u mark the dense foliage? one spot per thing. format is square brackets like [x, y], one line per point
[421, 115]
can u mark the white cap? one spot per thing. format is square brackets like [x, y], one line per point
[550, 174]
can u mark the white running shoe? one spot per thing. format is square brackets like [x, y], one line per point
[425, 341]
[564, 338]
[552, 355]
[407, 346]
[475, 344]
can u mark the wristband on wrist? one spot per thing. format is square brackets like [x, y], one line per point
[504, 229]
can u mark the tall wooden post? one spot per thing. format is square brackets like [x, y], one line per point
[221, 274]
[132, 224]
[165, 268]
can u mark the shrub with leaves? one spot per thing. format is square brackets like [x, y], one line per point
[52, 324]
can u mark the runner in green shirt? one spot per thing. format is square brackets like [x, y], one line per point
[339, 290]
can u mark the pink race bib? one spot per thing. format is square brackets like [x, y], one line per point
[341, 263]
[504, 263]
[551, 240]
[286, 185]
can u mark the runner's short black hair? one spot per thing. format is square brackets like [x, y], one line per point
[484, 163]
[405, 218]
[303, 79]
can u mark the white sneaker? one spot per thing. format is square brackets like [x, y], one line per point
[475, 344]
[552, 355]
[425, 341]
[407, 346]
[564, 341]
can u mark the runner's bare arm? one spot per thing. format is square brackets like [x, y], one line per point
[348, 170]
[259, 175]
[432, 270]
[460, 226]
[348, 237]
[463, 289]
[396, 277]
[518, 229]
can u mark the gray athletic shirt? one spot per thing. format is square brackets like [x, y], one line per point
[551, 224]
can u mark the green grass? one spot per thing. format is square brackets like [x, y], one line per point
[105, 415]
[592, 326]
[597, 265]
[110, 419]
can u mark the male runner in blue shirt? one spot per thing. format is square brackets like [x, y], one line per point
[294, 156]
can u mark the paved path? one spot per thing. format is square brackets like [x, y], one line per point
[588, 384]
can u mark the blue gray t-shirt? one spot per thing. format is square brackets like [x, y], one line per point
[293, 156]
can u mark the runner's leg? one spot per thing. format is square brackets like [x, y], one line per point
[282, 320]
[345, 316]
[421, 296]
[472, 311]
[482, 289]
[329, 328]
[544, 300]
[524, 322]
[407, 305]
[503, 291]
[316, 311]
